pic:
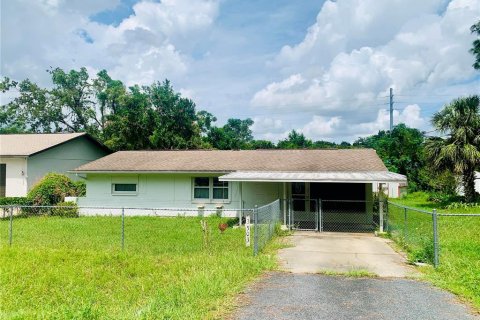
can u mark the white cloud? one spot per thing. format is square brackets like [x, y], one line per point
[151, 44]
[343, 70]
[263, 125]
[338, 128]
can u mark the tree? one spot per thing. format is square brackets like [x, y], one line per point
[261, 144]
[401, 150]
[460, 150]
[147, 117]
[234, 135]
[475, 50]
[295, 140]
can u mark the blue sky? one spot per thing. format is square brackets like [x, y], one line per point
[321, 67]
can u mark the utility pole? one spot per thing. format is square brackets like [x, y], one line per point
[391, 109]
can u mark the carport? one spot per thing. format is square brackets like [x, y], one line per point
[325, 201]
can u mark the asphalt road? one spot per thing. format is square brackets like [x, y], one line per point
[311, 296]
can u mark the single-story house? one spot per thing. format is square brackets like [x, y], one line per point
[26, 158]
[197, 182]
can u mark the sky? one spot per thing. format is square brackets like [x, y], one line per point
[323, 68]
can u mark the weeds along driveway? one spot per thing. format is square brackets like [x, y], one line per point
[313, 252]
[288, 296]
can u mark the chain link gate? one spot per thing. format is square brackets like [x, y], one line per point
[305, 214]
[332, 215]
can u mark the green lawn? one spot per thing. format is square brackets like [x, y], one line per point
[459, 238]
[74, 268]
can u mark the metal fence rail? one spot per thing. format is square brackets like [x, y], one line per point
[266, 219]
[421, 232]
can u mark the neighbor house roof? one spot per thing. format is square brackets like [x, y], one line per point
[330, 160]
[29, 144]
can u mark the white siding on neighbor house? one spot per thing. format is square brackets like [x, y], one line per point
[477, 181]
[16, 176]
[393, 189]
[174, 191]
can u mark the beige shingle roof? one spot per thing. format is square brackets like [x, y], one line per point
[347, 160]
[28, 144]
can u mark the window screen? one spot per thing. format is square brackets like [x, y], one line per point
[124, 187]
[220, 189]
[201, 188]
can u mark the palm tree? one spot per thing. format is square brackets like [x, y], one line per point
[459, 152]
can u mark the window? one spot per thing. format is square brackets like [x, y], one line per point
[124, 188]
[201, 189]
[3, 178]
[210, 189]
[220, 189]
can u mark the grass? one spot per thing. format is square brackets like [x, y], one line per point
[74, 268]
[459, 238]
[356, 273]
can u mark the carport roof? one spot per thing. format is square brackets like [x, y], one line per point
[339, 176]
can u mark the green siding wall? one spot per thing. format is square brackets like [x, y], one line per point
[63, 158]
[172, 191]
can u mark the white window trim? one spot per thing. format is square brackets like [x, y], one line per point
[124, 193]
[210, 198]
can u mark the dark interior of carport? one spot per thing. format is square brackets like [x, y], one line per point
[330, 206]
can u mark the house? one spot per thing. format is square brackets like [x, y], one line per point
[26, 158]
[200, 182]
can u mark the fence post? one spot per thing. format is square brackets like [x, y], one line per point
[435, 238]
[123, 228]
[405, 227]
[380, 214]
[320, 214]
[255, 230]
[247, 230]
[10, 228]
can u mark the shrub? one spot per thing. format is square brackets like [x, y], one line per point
[19, 201]
[80, 188]
[52, 189]
[65, 209]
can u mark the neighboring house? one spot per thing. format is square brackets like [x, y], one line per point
[477, 181]
[460, 184]
[211, 180]
[393, 189]
[26, 158]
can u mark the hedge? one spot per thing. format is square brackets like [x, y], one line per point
[19, 201]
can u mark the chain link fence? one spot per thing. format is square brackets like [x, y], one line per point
[333, 215]
[435, 238]
[104, 228]
[265, 220]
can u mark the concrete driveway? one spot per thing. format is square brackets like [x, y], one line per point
[314, 252]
